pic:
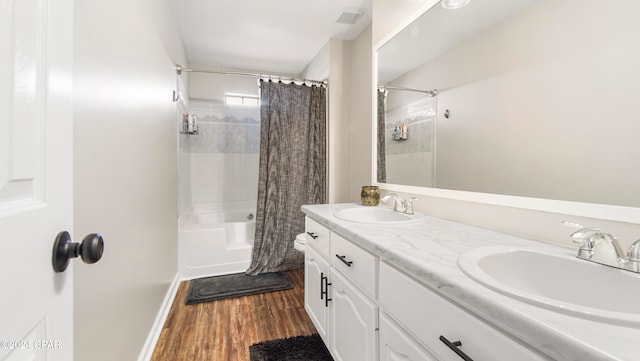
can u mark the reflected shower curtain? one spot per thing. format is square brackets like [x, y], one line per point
[292, 171]
[382, 158]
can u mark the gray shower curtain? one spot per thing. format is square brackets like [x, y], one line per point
[382, 157]
[292, 171]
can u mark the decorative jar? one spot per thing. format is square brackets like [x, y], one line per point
[370, 195]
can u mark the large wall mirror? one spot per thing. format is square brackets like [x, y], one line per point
[535, 98]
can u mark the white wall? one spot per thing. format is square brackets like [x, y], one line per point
[318, 67]
[213, 87]
[125, 170]
[543, 225]
[339, 91]
[390, 15]
[360, 113]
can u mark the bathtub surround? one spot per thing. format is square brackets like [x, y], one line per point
[218, 188]
[215, 238]
[222, 161]
[292, 170]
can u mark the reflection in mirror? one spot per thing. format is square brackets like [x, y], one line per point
[539, 107]
[406, 142]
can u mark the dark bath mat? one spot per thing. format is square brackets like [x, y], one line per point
[300, 348]
[235, 285]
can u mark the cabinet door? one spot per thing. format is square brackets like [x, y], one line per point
[353, 322]
[396, 345]
[316, 273]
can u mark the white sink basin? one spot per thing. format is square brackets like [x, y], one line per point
[557, 281]
[377, 215]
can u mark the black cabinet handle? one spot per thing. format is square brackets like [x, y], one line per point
[343, 259]
[324, 292]
[454, 347]
[312, 235]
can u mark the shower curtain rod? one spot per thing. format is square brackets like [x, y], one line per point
[432, 92]
[180, 69]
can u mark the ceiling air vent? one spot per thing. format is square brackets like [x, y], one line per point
[349, 17]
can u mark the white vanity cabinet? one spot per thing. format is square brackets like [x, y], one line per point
[339, 287]
[367, 310]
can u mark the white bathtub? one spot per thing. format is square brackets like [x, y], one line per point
[215, 239]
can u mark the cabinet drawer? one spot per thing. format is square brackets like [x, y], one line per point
[428, 316]
[356, 264]
[396, 345]
[317, 236]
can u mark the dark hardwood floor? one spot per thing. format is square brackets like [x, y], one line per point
[224, 330]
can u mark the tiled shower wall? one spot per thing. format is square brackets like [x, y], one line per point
[411, 161]
[220, 164]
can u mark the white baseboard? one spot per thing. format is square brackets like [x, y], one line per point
[189, 273]
[161, 317]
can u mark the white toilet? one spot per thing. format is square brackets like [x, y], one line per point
[300, 242]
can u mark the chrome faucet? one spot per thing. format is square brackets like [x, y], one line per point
[401, 205]
[633, 257]
[601, 247]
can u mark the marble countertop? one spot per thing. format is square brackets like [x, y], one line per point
[429, 250]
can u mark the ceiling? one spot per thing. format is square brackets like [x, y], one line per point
[452, 27]
[275, 36]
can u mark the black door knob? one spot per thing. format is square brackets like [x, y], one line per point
[90, 250]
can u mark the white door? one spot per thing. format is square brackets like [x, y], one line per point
[36, 303]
